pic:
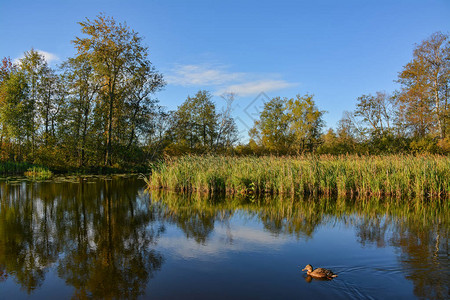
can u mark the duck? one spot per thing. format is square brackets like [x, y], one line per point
[319, 272]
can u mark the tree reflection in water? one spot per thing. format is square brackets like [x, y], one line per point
[100, 235]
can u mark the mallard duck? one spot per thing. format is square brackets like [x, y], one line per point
[319, 272]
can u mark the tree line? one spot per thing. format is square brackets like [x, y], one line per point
[413, 119]
[98, 108]
[95, 109]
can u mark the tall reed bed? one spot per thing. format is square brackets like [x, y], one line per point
[396, 175]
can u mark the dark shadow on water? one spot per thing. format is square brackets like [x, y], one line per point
[310, 279]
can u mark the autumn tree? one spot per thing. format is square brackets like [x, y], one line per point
[16, 113]
[425, 87]
[377, 111]
[139, 106]
[34, 67]
[83, 88]
[120, 62]
[6, 69]
[305, 121]
[288, 125]
[46, 99]
[51, 100]
[195, 122]
[197, 126]
[272, 129]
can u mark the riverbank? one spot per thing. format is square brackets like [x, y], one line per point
[43, 172]
[394, 175]
[14, 168]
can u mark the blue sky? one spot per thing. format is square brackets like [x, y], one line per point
[336, 50]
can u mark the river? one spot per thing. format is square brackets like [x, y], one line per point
[107, 237]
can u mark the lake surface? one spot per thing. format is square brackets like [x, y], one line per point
[96, 237]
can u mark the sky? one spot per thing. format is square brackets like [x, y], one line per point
[336, 50]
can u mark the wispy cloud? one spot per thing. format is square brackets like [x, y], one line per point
[255, 87]
[49, 57]
[219, 244]
[207, 75]
[219, 78]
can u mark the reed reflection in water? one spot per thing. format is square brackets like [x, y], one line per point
[106, 238]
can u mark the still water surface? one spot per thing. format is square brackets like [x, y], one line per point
[107, 238]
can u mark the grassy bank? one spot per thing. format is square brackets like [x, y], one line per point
[38, 173]
[14, 168]
[44, 172]
[396, 175]
[24, 169]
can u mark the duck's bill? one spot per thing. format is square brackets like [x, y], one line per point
[303, 269]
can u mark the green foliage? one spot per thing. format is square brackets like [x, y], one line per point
[15, 108]
[195, 123]
[444, 146]
[288, 125]
[305, 122]
[197, 127]
[38, 173]
[120, 62]
[14, 168]
[394, 175]
[98, 111]
[272, 129]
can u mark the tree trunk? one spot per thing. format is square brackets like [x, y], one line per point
[83, 139]
[438, 110]
[446, 111]
[109, 136]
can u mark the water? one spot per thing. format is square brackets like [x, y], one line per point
[98, 237]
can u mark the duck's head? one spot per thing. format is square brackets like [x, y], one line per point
[308, 268]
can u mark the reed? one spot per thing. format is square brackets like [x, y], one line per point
[303, 214]
[395, 175]
[38, 173]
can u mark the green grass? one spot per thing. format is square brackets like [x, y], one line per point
[23, 168]
[38, 173]
[395, 175]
